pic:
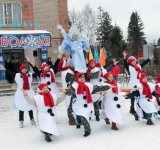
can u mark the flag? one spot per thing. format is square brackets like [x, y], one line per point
[102, 57]
[90, 55]
[36, 23]
[13, 24]
[30, 24]
[1, 24]
[25, 23]
[19, 24]
[96, 56]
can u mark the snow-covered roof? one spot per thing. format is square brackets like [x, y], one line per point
[2, 32]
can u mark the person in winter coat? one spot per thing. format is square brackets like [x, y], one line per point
[23, 80]
[115, 71]
[9, 66]
[46, 103]
[145, 107]
[82, 104]
[133, 73]
[49, 62]
[26, 63]
[16, 65]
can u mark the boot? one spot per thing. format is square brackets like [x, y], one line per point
[72, 123]
[21, 124]
[114, 127]
[86, 134]
[33, 122]
[48, 138]
[97, 118]
[136, 117]
[107, 121]
[78, 126]
[149, 122]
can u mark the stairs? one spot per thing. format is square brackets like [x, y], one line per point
[7, 89]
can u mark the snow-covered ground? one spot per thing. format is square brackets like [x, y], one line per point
[130, 136]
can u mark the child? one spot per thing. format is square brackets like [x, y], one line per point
[82, 105]
[23, 80]
[65, 68]
[133, 72]
[46, 103]
[145, 107]
[74, 44]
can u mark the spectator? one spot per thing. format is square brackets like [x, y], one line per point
[26, 63]
[9, 66]
[115, 71]
[49, 62]
[16, 66]
[109, 59]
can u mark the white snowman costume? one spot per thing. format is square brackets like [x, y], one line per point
[52, 86]
[95, 97]
[80, 106]
[132, 78]
[112, 106]
[143, 103]
[47, 123]
[64, 83]
[19, 100]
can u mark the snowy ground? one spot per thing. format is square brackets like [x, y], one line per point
[131, 136]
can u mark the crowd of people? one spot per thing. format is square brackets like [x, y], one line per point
[82, 85]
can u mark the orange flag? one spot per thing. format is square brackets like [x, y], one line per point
[102, 58]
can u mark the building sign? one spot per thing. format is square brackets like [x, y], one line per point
[25, 41]
[44, 54]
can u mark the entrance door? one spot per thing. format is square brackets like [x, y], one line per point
[14, 53]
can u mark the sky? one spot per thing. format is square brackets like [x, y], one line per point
[121, 10]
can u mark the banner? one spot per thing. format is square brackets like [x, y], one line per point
[25, 41]
[2, 72]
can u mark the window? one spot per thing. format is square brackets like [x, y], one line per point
[10, 12]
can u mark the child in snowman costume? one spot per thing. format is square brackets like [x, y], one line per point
[157, 102]
[111, 105]
[46, 103]
[145, 107]
[65, 68]
[47, 74]
[133, 72]
[23, 80]
[91, 77]
[74, 43]
[82, 104]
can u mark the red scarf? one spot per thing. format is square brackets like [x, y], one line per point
[52, 76]
[90, 68]
[48, 99]
[114, 83]
[146, 88]
[157, 87]
[82, 87]
[101, 73]
[25, 82]
[80, 90]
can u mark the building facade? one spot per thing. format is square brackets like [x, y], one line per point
[48, 14]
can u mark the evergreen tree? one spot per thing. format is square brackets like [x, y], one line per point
[104, 27]
[135, 34]
[116, 42]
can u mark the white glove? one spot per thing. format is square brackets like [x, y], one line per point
[59, 27]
